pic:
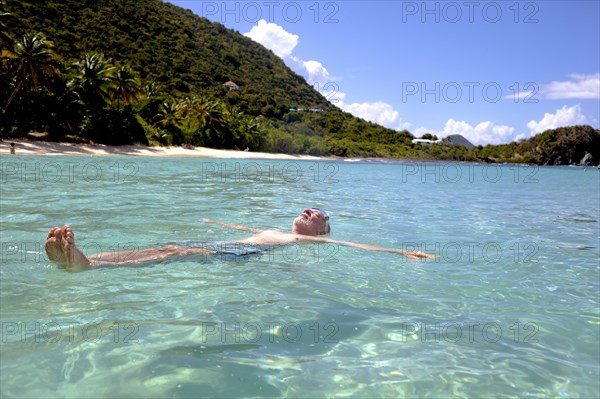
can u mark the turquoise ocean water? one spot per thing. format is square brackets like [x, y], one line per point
[509, 309]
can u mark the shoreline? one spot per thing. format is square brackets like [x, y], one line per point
[34, 147]
[52, 148]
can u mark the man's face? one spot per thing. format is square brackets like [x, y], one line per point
[311, 222]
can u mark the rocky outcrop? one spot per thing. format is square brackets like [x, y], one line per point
[587, 160]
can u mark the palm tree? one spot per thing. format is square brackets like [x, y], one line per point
[244, 129]
[151, 90]
[94, 81]
[210, 113]
[126, 86]
[4, 16]
[33, 63]
[5, 54]
[170, 114]
[188, 106]
[170, 118]
[204, 118]
[214, 118]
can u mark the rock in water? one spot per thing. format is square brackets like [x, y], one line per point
[587, 160]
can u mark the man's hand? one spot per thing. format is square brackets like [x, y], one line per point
[419, 255]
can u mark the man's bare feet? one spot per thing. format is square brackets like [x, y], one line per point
[61, 249]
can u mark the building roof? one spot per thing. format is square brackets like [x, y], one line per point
[457, 139]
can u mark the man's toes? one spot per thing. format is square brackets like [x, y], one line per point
[52, 232]
[58, 235]
[69, 236]
[63, 231]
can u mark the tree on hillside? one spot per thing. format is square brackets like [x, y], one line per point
[170, 118]
[32, 64]
[205, 120]
[5, 37]
[429, 136]
[213, 117]
[97, 83]
[126, 86]
[244, 131]
[93, 81]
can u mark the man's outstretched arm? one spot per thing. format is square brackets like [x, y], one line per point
[233, 226]
[408, 254]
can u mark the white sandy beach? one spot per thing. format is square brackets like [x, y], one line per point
[30, 147]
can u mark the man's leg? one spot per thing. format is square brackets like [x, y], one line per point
[61, 249]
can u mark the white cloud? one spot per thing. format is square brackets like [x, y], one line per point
[420, 131]
[489, 133]
[273, 37]
[580, 87]
[283, 43]
[584, 87]
[379, 112]
[521, 136]
[565, 116]
[481, 134]
[316, 72]
[531, 96]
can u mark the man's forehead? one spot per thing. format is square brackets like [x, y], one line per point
[323, 212]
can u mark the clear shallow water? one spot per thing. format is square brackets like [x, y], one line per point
[509, 309]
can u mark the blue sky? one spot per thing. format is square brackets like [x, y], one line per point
[493, 71]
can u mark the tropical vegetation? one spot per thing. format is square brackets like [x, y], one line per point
[146, 71]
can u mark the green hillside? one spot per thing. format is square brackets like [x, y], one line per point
[168, 45]
[123, 71]
[561, 146]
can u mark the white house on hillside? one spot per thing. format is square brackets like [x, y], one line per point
[426, 141]
[231, 85]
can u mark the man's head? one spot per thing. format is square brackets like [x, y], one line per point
[312, 222]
